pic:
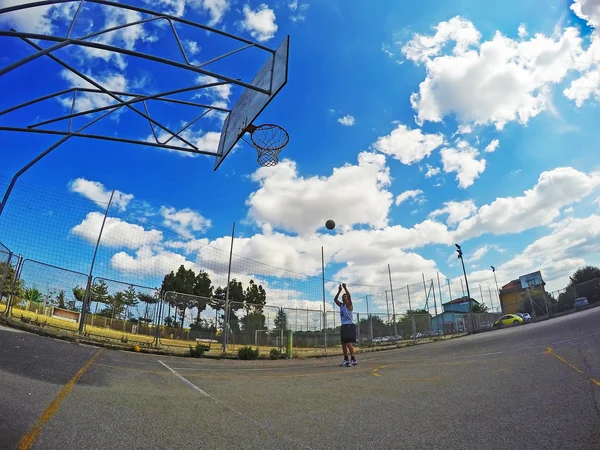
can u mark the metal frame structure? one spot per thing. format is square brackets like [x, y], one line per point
[122, 100]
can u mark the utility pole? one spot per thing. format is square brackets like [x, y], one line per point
[460, 256]
[497, 290]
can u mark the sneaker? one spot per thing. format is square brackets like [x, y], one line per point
[353, 362]
[345, 363]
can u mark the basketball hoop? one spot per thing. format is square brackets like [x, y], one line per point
[268, 140]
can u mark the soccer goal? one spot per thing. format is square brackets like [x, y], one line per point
[269, 338]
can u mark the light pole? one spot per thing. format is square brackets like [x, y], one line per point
[460, 256]
[497, 290]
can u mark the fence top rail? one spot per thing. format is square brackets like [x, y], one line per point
[52, 266]
[125, 283]
[4, 248]
[182, 294]
[320, 311]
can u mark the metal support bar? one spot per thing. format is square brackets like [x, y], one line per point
[86, 297]
[104, 90]
[140, 10]
[110, 48]
[226, 306]
[137, 99]
[110, 138]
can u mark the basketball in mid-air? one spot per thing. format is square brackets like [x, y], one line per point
[330, 224]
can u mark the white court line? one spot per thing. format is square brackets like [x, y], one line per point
[185, 380]
[243, 416]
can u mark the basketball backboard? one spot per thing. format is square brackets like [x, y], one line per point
[531, 280]
[271, 77]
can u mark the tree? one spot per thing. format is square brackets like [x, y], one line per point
[129, 300]
[281, 320]
[60, 299]
[255, 297]
[480, 308]
[203, 288]
[33, 295]
[8, 280]
[99, 293]
[117, 302]
[79, 294]
[181, 282]
[583, 274]
[147, 299]
[236, 302]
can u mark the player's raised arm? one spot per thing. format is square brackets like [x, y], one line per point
[337, 302]
[348, 297]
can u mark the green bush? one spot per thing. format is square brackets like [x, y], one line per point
[198, 351]
[274, 353]
[247, 352]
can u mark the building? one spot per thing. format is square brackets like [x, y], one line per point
[452, 318]
[514, 297]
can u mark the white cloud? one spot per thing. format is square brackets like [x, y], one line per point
[41, 19]
[463, 160]
[352, 194]
[538, 206]
[347, 121]
[298, 9]
[588, 10]
[260, 23]
[126, 38]
[557, 255]
[96, 192]
[117, 233]
[479, 253]
[585, 87]
[432, 171]
[492, 146]
[185, 221]
[569, 210]
[215, 9]
[523, 31]
[148, 262]
[408, 195]
[408, 146]
[456, 211]
[192, 47]
[221, 92]
[490, 82]
[112, 81]
[208, 141]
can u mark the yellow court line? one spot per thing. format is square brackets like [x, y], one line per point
[549, 351]
[28, 440]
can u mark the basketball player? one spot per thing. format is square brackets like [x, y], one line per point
[348, 329]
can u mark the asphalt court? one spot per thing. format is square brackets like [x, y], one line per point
[540, 381]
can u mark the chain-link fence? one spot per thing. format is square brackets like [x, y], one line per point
[6, 275]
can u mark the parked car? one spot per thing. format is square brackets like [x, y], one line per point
[581, 302]
[508, 320]
[525, 316]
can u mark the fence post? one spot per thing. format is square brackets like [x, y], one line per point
[225, 334]
[393, 305]
[324, 308]
[370, 321]
[14, 283]
[441, 305]
[412, 315]
[5, 275]
[87, 294]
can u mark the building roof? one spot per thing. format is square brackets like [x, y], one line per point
[459, 300]
[514, 285]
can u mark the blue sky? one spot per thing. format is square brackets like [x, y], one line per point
[412, 125]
